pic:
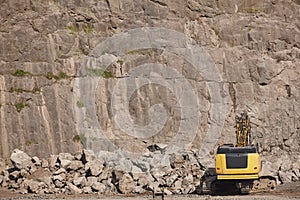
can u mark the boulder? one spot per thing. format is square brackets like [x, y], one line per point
[286, 176]
[144, 166]
[59, 184]
[91, 180]
[44, 163]
[20, 160]
[33, 186]
[79, 181]
[87, 156]
[60, 177]
[170, 179]
[36, 161]
[75, 165]
[106, 174]
[59, 171]
[145, 179]
[94, 167]
[98, 187]
[188, 189]
[87, 190]
[53, 161]
[65, 156]
[64, 163]
[126, 184]
[73, 189]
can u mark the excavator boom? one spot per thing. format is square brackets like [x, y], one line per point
[243, 130]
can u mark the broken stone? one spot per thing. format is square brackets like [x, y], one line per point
[91, 180]
[59, 184]
[36, 161]
[139, 190]
[87, 190]
[64, 163]
[79, 181]
[53, 161]
[73, 189]
[94, 167]
[176, 161]
[33, 186]
[171, 179]
[126, 184]
[167, 192]
[59, 177]
[98, 187]
[109, 185]
[14, 175]
[19, 159]
[145, 179]
[144, 166]
[106, 174]
[1, 179]
[188, 180]
[44, 163]
[157, 147]
[59, 171]
[87, 156]
[75, 165]
[65, 156]
[189, 189]
[125, 165]
[176, 189]
[154, 187]
[78, 156]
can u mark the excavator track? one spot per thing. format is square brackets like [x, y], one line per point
[263, 184]
[210, 185]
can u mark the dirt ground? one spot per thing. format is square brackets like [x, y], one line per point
[282, 192]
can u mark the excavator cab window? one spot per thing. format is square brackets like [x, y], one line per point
[226, 150]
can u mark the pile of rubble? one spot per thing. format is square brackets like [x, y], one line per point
[109, 173]
[157, 171]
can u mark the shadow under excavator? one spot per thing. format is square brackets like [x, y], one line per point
[211, 186]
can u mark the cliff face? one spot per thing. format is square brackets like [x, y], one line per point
[53, 98]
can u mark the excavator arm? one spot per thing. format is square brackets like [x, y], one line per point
[243, 130]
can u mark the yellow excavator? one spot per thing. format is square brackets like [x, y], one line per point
[237, 166]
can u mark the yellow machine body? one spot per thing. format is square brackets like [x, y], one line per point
[237, 165]
[234, 163]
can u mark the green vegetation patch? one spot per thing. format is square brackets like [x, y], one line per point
[17, 90]
[21, 90]
[19, 106]
[20, 72]
[250, 10]
[99, 72]
[73, 29]
[29, 142]
[79, 138]
[88, 28]
[59, 76]
[142, 51]
[79, 104]
[120, 62]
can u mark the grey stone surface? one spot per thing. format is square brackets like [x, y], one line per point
[44, 46]
[20, 159]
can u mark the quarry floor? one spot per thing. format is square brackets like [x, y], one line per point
[282, 192]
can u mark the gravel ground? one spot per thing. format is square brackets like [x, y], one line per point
[282, 192]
